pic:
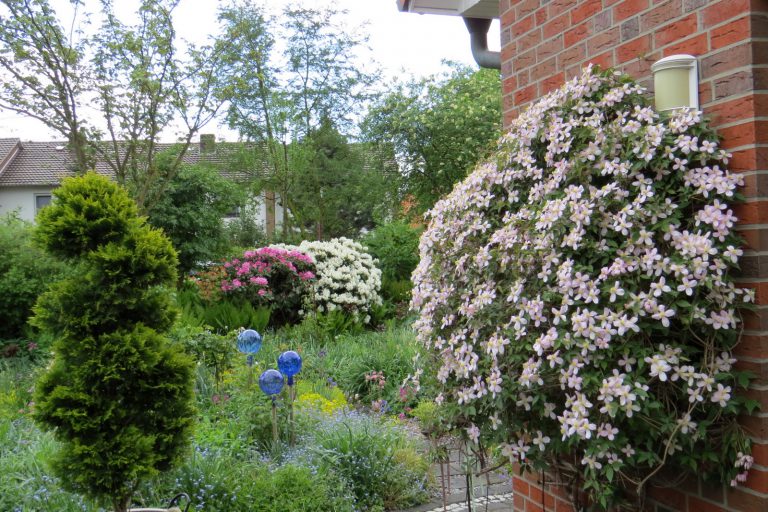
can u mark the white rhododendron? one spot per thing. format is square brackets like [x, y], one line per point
[576, 291]
[347, 277]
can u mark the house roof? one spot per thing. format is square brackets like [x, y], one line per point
[31, 163]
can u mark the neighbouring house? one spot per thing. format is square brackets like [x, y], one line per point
[30, 171]
[545, 42]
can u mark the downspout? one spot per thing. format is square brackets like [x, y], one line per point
[478, 33]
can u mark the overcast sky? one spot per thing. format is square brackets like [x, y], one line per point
[402, 43]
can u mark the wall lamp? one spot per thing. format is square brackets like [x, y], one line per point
[676, 82]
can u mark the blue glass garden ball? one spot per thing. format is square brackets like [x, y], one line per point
[249, 341]
[271, 382]
[289, 363]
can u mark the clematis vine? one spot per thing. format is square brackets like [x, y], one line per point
[576, 291]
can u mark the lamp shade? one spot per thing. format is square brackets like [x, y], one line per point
[676, 82]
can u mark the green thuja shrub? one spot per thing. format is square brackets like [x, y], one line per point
[117, 395]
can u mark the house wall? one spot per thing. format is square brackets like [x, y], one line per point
[545, 42]
[21, 199]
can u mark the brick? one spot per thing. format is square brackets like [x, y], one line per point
[692, 5]
[525, 60]
[525, 95]
[668, 496]
[520, 486]
[675, 31]
[760, 453]
[660, 14]
[757, 480]
[735, 83]
[507, 17]
[635, 49]
[556, 27]
[754, 212]
[755, 426]
[541, 16]
[640, 67]
[755, 347]
[760, 78]
[604, 60]
[754, 266]
[530, 39]
[519, 502]
[521, 27]
[713, 492]
[557, 7]
[526, 7]
[699, 505]
[760, 52]
[726, 60]
[603, 41]
[602, 21]
[508, 85]
[738, 109]
[571, 55]
[750, 132]
[723, 11]
[759, 24]
[531, 506]
[544, 69]
[730, 33]
[563, 506]
[585, 10]
[744, 501]
[549, 48]
[696, 45]
[551, 83]
[576, 34]
[628, 8]
[630, 29]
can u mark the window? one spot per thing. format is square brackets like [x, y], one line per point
[41, 201]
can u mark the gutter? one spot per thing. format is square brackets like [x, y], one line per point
[478, 33]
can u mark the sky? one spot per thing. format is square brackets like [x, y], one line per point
[404, 44]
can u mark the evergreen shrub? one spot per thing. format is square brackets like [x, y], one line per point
[118, 396]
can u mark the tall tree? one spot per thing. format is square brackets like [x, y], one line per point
[439, 127]
[45, 75]
[280, 100]
[136, 76]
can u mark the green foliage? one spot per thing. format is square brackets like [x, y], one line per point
[214, 351]
[396, 246]
[117, 395]
[191, 212]
[440, 126]
[377, 459]
[25, 272]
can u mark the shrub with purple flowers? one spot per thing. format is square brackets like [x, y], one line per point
[271, 276]
[576, 289]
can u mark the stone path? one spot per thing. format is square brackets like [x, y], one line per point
[491, 492]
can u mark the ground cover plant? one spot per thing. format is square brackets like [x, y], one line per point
[576, 289]
[233, 464]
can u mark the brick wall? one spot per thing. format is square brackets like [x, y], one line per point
[544, 42]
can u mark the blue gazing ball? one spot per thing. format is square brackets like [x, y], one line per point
[289, 363]
[271, 382]
[249, 341]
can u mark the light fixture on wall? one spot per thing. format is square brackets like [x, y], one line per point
[676, 82]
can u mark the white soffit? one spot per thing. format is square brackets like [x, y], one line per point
[468, 8]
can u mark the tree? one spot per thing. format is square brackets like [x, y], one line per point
[117, 395]
[191, 213]
[281, 100]
[439, 127]
[135, 75]
[342, 186]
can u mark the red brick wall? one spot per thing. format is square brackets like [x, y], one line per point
[544, 42]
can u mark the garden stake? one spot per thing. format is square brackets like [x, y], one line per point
[271, 383]
[249, 342]
[289, 364]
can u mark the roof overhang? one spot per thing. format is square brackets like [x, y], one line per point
[466, 8]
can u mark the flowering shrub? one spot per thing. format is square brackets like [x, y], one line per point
[347, 278]
[576, 289]
[271, 276]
